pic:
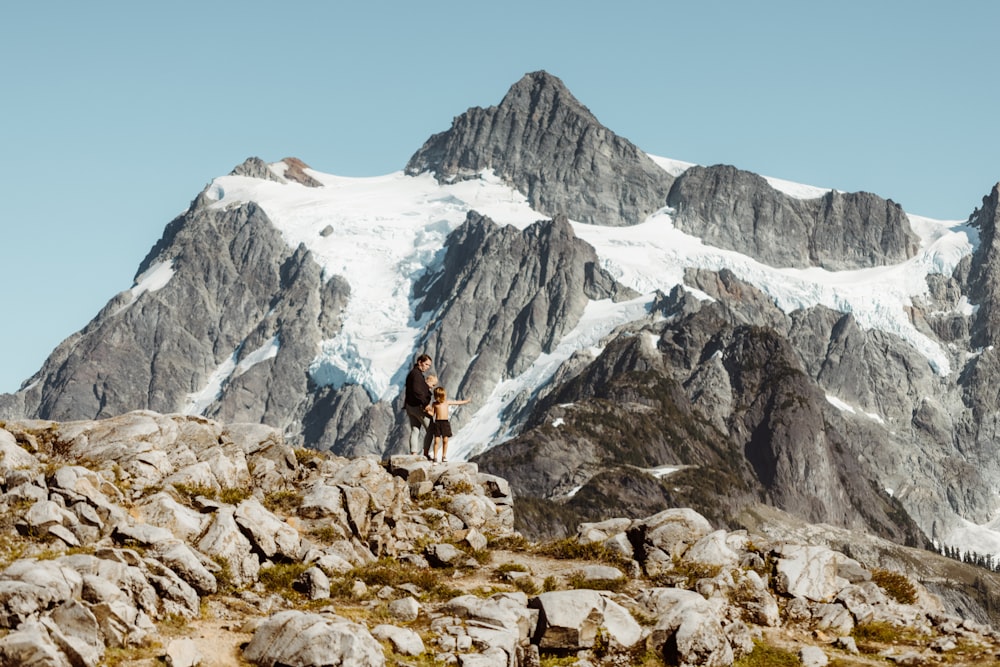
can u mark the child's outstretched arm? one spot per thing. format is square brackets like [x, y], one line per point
[462, 402]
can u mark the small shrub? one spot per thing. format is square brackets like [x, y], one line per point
[286, 500]
[896, 585]
[874, 636]
[305, 456]
[281, 577]
[768, 656]
[685, 574]
[550, 583]
[526, 585]
[504, 568]
[389, 572]
[189, 492]
[879, 632]
[234, 495]
[341, 589]
[43, 441]
[570, 548]
[644, 619]
[515, 542]
[577, 580]
[224, 580]
[437, 502]
[325, 534]
[118, 657]
[461, 486]
[482, 556]
[174, 623]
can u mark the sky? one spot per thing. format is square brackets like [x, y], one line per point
[115, 115]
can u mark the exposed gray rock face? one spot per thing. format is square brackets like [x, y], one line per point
[982, 283]
[502, 297]
[233, 277]
[254, 167]
[739, 210]
[983, 280]
[236, 289]
[642, 403]
[551, 148]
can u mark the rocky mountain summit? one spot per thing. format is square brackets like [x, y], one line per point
[148, 539]
[548, 145]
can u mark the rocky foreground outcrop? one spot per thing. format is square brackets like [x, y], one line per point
[123, 534]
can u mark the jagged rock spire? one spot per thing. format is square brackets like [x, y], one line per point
[984, 274]
[549, 146]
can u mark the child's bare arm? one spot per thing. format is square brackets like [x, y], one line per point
[462, 402]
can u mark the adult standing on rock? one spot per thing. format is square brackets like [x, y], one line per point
[416, 401]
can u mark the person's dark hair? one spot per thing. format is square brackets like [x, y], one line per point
[421, 359]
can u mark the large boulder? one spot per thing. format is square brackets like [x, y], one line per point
[812, 572]
[571, 620]
[311, 640]
[688, 630]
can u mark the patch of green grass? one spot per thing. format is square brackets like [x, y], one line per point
[325, 534]
[390, 572]
[189, 492]
[234, 495]
[481, 556]
[873, 637]
[526, 585]
[461, 486]
[174, 624]
[577, 580]
[305, 456]
[515, 542]
[570, 548]
[768, 656]
[504, 568]
[438, 502]
[117, 657]
[685, 574]
[286, 500]
[879, 632]
[281, 577]
[224, 580]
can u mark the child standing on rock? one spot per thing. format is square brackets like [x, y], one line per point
[441, 426]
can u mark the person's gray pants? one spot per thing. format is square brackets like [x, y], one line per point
[419, 419]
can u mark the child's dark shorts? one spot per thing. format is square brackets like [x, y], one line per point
[441, 428]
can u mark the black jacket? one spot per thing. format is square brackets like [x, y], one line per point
[417, 391]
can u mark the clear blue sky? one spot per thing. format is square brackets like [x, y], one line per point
[116, 114]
